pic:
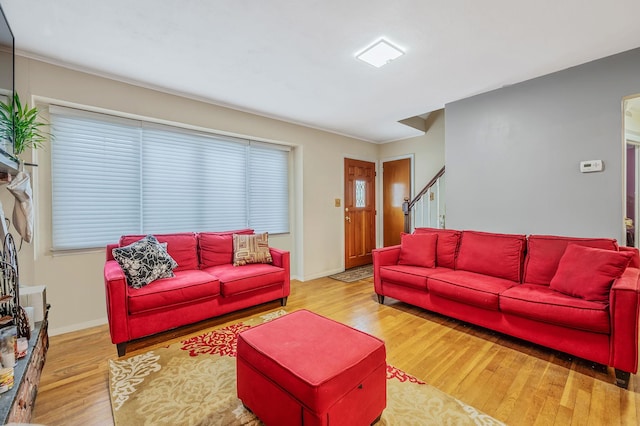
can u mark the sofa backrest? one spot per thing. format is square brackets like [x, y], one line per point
[545, 251]
[182, 247]
[446, 246]
[216, 248]
[496, 255]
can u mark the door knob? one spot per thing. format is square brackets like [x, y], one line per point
[347, 218]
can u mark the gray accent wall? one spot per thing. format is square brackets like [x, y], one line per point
[513, 154]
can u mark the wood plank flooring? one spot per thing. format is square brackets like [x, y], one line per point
[509, 379]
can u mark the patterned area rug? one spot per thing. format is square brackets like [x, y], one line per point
[194, 383]
[354, 274]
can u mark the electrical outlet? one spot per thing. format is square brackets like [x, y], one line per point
[337, 202]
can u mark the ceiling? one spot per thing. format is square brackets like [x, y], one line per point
[294, 60]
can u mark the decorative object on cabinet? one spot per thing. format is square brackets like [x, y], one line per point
[16, 405]
[11, 313]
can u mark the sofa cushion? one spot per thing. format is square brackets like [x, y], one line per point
[447, 246]
[541, 303]
[186, 286]
[469, 287]
[409, 276]
[216, 248]
[496, 255]
[544, 253]
[235, 280]
[248, 249]
[182, 247]
[588, 272]
[144, 261]
[418, 250]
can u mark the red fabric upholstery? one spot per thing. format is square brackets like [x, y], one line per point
[410, 276]
[316, 362]
[418, 250]
[469, 287]
[447, 246]
[497, 255]
[193, 294]
[241, 279]
[635, 256]
[216, 248]
[182, 247]
[588, 272]
[185, 287]
[541, 303]
[604, 331]
[544, 253]
[624, 300]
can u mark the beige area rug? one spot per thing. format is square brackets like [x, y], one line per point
[194, 383]
[354, 274]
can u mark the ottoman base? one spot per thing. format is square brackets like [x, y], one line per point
[274, 406]
[304, 369]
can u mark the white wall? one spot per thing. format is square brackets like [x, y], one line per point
[513, 154]
[428, 152]
[74, 281]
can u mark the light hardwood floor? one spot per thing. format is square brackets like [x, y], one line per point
[509, 379]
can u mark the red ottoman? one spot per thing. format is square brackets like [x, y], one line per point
[304, 369]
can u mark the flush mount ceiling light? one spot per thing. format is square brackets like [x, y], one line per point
[380, 53]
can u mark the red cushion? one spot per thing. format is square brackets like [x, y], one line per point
[237, 280]
[315, 359]
[418, 250]
[496, 255]
[588, 272]
[216, 248]
[544, 253]
[409, 276]
[469, 287]
[182, 247]
[186, 286]
[447, 246]
[540, 303]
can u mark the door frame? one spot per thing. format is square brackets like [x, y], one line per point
[376, 163]
[628, 137]
[379, 190]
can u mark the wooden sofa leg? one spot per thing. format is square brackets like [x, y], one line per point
[283, 301]
[622, 378]
[122, 348]
[380, 299]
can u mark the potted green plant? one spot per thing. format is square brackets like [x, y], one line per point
[19, 124]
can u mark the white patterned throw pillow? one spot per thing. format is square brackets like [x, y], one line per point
[144, 261]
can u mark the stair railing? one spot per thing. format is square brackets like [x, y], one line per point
[407, 206]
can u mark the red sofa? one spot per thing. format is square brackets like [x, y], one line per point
[541, 288]
[205, 285]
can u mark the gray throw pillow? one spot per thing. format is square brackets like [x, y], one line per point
[144, 261]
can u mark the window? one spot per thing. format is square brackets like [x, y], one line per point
[113, 176]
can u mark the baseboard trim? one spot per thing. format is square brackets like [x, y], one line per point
[77, 327]
[322, 274]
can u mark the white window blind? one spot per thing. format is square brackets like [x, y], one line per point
[113, 177]
[269, 189]
[95, 181]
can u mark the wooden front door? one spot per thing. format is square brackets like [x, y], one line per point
[396, 185]
[359, 212]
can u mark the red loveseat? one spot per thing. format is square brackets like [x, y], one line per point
[205, 285]
[541, 288]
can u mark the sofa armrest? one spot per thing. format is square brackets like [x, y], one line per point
[635, 257]
[385, 256]
[282, 259]
[624, 309]
[115, 285]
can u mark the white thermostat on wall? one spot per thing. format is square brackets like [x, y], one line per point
[591, 166]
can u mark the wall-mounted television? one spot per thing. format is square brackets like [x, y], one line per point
[7, 72]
